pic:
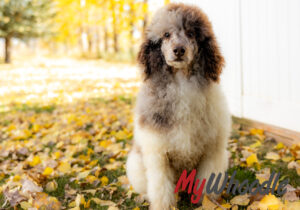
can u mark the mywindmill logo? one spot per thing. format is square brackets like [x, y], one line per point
[218, 185]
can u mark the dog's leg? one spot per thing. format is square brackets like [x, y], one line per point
[215, 160]
[159, 175]
[161, 186]
[136, 171]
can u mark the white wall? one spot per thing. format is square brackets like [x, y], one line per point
[260, 40]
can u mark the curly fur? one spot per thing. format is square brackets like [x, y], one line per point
[181, 116]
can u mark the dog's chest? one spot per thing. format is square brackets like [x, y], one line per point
[186, 142]
[188, 101]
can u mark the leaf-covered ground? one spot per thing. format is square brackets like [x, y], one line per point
[66, 129]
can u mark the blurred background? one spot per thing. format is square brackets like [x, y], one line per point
[260, 41]
[98, 29]
[68, 83]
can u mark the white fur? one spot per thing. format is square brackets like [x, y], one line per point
[203, 128]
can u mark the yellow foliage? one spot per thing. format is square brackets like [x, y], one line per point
[64, 167]
[270, 202]
[251, 160]
[35, 161]
[47, 171]
[104, 181]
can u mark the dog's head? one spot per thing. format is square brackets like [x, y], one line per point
[180, 37]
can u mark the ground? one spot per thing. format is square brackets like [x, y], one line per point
[66, 129]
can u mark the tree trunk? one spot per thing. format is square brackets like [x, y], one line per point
[7, 49]
[105, 40]
[145, 21]
[116, 45]
[98, 43]
[90, 41]
[115, 35]
[131, 24]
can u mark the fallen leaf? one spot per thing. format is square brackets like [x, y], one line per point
[270, 202]
[30, 186]
[251, 160]
[51, 186]
[103, 202]
[272, 156]
[35, 161]
[256, 144]
[279, 146]
[48, 171]
[207, 203]
[64, 167]
[241, 200]
[104, 181]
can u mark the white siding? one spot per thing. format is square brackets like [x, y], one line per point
[260, 40]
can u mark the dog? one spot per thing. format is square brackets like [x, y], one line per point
[182, 121]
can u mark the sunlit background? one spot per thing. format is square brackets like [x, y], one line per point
[68, 83]
[99, 29]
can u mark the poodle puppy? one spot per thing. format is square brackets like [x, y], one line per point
[181, 117]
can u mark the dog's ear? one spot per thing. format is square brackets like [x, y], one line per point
[210, 58]
[150, 57]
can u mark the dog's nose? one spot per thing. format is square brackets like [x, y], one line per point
[179, 51]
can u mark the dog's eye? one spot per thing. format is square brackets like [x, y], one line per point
[190, 34]
[167, 35]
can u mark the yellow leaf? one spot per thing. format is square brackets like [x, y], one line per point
[87, 204]
[207, 204]
[11, 127]
[72, 204]
[287, 159]
[256, 144]
[136, 208]
[35, 161]
[105, 143]
[104, 180]
[242, 200]
[279, 146]
[166, 1]
[91, 179]
[103, 202]
[94, 162]
[17, 178]
[292, 205]
[57, 155]
[85, 158]
[226, 205]
[270, 202]
[251, 160]
[83, 174]
[90, 151]
[272, 156]
[44, 200]
[51, 186]
[255, 131]
[64, 167]
[36, 128]
[48, 171]
[121, 135]
[2, 175]
[25, 205]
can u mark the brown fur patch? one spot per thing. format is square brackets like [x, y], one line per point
[161, 120]
[179, 162]
[206, 66]
[209, 60]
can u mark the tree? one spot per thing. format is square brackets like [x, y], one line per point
[24, 19]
